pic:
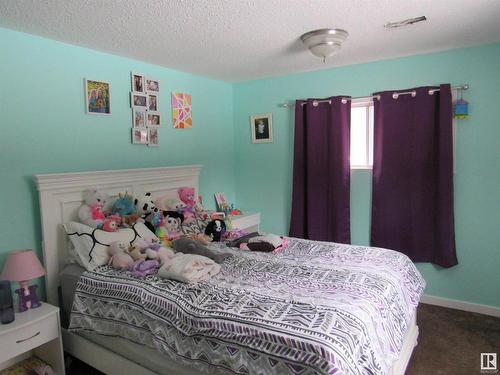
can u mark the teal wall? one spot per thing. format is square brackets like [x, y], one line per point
[44, 128]
[263, 175]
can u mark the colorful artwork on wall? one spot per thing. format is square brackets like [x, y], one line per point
[181, 110]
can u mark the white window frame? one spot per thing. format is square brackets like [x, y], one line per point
[364, 102]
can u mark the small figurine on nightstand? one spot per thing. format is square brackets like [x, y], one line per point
[22, 266]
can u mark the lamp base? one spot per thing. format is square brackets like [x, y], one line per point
[27, 296]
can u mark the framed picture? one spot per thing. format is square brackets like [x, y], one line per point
[138, 83]
[138, 117]
[152, 85]
[181, 110]
[140, 136]
[262, 128]
[153, 119]
[154, 136]
[138, 100]
[97, 97]
[220, 199]
[152, 102]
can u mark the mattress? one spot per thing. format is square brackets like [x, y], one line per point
[314, 308]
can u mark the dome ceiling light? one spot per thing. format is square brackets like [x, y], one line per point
[324, 42]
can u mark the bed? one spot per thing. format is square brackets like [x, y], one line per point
[283, 313]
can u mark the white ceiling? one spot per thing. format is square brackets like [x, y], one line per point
[237, 40]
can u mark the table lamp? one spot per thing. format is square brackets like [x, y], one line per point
[23, 266]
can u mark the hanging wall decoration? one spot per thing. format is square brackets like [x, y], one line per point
[181, 110]
[146, 118]
[97, 97]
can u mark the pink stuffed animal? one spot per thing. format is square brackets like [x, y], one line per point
[112, 223]
[120, 257]
[186, 195]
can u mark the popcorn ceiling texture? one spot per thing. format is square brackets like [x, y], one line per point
[237, 40]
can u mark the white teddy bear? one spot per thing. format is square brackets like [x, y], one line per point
[91, 212]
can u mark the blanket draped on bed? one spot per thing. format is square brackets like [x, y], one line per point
[317, 307]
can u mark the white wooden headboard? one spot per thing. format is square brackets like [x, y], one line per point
[61, 195]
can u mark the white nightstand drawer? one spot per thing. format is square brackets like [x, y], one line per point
[30, 336]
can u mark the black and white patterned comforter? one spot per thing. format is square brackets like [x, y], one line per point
[315, 308]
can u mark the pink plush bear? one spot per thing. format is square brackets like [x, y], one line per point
[112, 223]
[186, 195]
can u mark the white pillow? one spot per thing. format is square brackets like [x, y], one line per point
[91, 244]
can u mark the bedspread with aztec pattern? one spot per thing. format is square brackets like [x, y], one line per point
[315, 308]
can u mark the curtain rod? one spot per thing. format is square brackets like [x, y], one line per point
[395, 96]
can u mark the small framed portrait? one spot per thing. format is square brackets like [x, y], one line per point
[152, 85]
[221, 201]
[139, 118]
[140, 136]
[138, 83]
[97, 97]
[153, 119]
[138, 100]
[154, 136]
[262, 128]
[152, 102]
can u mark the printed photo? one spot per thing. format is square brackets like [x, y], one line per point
[221, 201]
[154, 136]
[98, 97]
[152, 102]
[138, 100]
[153, 118]
[262, 128]
[140, 136]
[138, 84]
[152, 85]
[139, 118]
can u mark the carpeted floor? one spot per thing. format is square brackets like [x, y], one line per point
[450, 343]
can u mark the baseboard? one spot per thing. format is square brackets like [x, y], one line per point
[461, 305]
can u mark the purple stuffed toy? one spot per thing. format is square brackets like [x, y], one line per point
[143, 268]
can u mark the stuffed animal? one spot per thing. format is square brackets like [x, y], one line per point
[144, 206]
[120, 257]
[154, 250]
[143, 268]
[186, 195]
[124, 206]
[189, 246]
[155, 220]
[215, 229]
[112, 223]
[171, 228]
[91, 212]
[137, 253]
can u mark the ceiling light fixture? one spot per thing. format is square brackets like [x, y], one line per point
[408, 22]
[324, 42]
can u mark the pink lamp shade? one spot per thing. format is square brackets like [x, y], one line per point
[22, 265]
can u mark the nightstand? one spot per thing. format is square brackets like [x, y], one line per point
[35, 331]
[249, 222]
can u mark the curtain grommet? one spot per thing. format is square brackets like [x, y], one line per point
[344, 101]
[395, 95]
[315, 103]
[413, 94]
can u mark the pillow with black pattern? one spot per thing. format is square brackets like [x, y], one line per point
[91, 244]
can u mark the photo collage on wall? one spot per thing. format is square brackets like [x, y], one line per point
[146, 117]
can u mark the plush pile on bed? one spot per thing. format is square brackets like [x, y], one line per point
[313, 308]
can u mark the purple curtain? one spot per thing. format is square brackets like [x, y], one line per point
[412, 192]
[321, 171]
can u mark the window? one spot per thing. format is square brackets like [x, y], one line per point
[361, 134]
